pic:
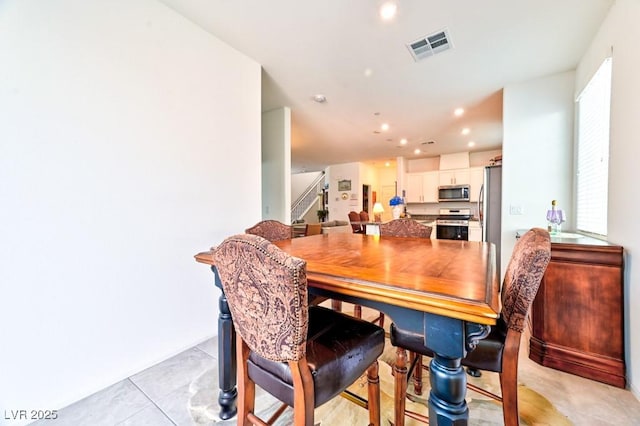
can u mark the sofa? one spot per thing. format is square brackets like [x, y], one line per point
[336, 226]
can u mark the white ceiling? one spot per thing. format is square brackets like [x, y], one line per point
[326, 47]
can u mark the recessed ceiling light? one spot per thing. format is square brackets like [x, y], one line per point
[465, 131]
[384, 127]
[416, 151]
[320, 98]
[387, 164]
[403, 141]
[388, 10]
[368, 72]
[458, 112]
[471, 143]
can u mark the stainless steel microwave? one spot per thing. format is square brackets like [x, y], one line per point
[453, 193]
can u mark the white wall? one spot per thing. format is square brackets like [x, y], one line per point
[423, 164]
[276, 165]
[126, 133]
[385, 176]
[338, 208]
[537, 153]
[621, 31]
[476, 159]
[483, 158]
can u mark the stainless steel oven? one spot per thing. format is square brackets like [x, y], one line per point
[453, 224]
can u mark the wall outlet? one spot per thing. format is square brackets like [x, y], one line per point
[516, 209]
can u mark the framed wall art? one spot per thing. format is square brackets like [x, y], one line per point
[344, 185]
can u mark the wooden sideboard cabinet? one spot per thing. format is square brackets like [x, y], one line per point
[577, 317]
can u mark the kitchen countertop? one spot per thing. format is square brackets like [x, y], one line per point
[432, 217]
[424, 217]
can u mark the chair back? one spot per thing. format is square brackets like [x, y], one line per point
[405, 228]
[355, 217]
[528, 263]
[364, 216]
[272, 230]
[266, 289]
[313, 229]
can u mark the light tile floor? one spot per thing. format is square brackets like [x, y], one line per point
[182, 391]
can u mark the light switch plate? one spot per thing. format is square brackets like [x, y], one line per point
[516, 209]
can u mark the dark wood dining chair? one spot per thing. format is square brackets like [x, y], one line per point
[354, 219]
[364, 216]
[313, 229]
[499, 351]
[272, 230]
[302, 355]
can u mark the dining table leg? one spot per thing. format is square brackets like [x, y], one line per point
[447, 338]
[228, 395]
[447, 405]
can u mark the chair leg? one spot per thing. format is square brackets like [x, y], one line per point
[509, 387]
[336, 305]
[509, 380]
[374, 394]
[400, 394]
[417, 372]
[357, 311]
[246, 386]
[304, 398]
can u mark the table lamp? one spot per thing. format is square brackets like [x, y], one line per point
[377, 212]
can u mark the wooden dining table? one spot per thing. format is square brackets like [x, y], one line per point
[444, 289]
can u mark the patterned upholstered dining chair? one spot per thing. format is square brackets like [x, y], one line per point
[499, 351]
[302, 355]
[405, 227]
[397, 228]
[272, 230]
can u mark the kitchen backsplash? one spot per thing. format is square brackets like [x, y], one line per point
[422, 209]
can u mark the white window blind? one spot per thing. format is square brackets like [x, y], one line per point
[593, 152]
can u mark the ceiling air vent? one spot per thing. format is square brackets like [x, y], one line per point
[430, 45]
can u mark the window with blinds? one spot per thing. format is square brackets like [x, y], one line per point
[593, 152]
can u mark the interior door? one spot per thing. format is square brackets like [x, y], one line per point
[388, 192]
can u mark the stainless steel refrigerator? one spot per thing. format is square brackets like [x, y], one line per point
[490, 208]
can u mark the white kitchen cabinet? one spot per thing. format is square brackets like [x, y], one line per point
[475, 232]
[422, 187]
[454, 177]
[414, 188]
[476, 179]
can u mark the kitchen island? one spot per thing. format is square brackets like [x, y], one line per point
[577, 318]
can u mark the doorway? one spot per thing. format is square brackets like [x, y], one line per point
[365, 198]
